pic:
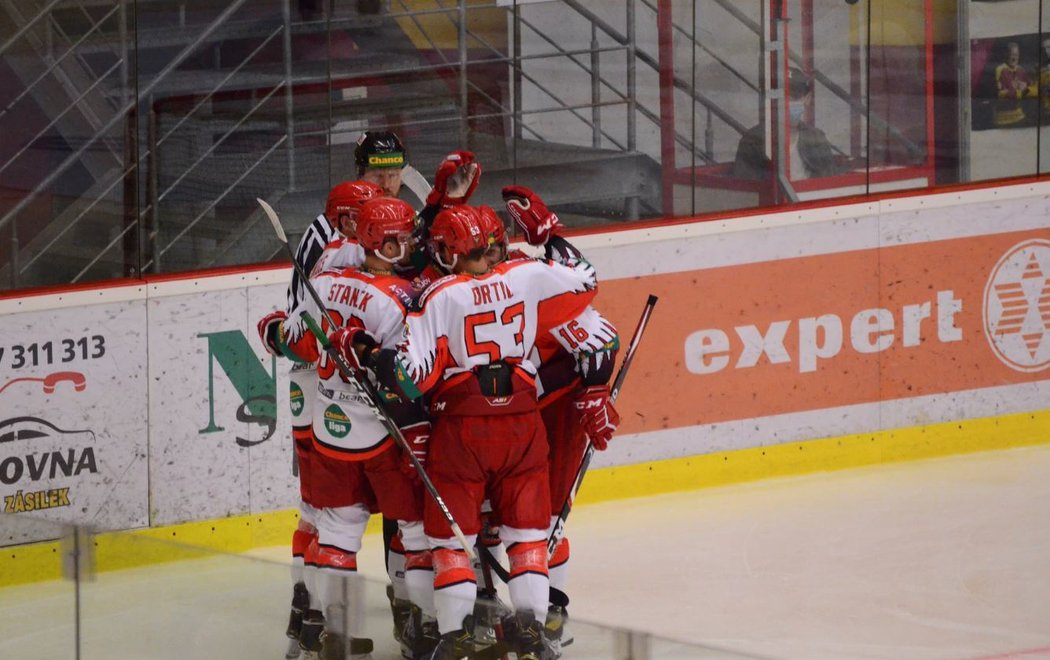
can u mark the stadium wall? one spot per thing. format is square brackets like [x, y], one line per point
[811, 339]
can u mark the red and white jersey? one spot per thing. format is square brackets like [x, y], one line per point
[339, 254]
[465, 321]
[556, 351]
[343, 422]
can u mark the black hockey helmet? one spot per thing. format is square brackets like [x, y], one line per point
[379, 149]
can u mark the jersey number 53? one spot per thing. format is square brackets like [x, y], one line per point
[510, 322]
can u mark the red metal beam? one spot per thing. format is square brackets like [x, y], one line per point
[665, 36]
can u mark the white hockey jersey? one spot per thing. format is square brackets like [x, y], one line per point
[339, 254]
[343, 422]
[464, 321]
[556, 353]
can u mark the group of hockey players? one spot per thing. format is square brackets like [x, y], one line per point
[494, 367]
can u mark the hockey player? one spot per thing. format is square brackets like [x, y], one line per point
[372, 298]
[345, 200]
[316, 484]
[499, 249]
[380, 156]
[467, 347]
[574, 392]
[454, 182]
[561, 393]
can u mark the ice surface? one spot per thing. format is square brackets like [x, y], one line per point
[941, 559]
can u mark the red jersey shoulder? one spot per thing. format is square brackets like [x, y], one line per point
[400, 290]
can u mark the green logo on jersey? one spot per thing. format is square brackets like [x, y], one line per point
[336, 421]
[296, 399]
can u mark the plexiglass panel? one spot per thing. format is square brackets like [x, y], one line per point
[154, 598]
[137, 136]
[39, 589]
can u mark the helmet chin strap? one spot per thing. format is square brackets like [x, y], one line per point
[441, 262]
[393, 260]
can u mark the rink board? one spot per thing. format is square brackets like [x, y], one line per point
[804, 340]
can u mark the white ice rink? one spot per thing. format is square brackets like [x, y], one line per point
[945, 559]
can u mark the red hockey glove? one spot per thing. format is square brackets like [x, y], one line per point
[356, 346]
[597, 415]
[456, 178]
[531, 214]
[270, 332]
[418, 438]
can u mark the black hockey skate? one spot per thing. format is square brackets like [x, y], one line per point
[489, 612]
[461, 644]
[340, 647]
[554, 629]
[401, 610]
[300, 602]
[419, 637]
[310, 634]
[454, 645]
[526, 637]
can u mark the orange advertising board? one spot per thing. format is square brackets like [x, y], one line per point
[831, 330]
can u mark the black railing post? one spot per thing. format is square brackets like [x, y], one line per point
[130, 225]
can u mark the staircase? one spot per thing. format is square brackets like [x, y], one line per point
[151, 127]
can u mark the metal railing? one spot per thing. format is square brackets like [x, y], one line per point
[144, 222]
[118, 116]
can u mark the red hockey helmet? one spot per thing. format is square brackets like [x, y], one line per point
[384, 218]
[460, 230]
[345, 199]
[492, 225]
[496, 232]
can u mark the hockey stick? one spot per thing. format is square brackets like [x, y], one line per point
[415, 182]
[559, 525]
[366, 387]
[490, 564]
[489, 560]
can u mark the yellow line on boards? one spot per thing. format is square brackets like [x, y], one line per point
[36, 562]
[893, 445]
